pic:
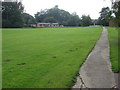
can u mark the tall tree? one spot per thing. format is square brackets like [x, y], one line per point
[28, 20]
[74, 20]
[12, 15]
[86, 20]
[105, 15]
[39, 16]
[116, 11]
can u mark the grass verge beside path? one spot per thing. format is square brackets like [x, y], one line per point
[45, 57]
[114, 44]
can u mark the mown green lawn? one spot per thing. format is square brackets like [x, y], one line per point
[45, 57]
[114, 44]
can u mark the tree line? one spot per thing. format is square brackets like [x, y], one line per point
[13, 16]
[108, 15]
[56, 15]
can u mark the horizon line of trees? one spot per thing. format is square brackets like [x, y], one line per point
[14, 16]
[56, 15]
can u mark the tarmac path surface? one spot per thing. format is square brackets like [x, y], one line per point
[96, 71]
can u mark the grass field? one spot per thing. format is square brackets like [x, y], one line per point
[113, 39]
[45, 57]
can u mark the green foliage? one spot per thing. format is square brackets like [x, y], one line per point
[105, 16]
[12, 15]
[74, 20]
[28, 20]
[45, 57]
[50, 20]
[116, 11]
[57, 15]
[86, 20]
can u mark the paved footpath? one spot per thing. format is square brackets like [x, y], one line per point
[96, 71]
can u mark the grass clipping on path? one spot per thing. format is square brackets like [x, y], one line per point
[114, 44]
[45, 57]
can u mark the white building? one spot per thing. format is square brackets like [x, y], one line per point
[40, 25]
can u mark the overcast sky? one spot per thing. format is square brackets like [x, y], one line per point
[91, 7]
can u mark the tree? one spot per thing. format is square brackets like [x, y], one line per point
[40, 16]
[28, 20]
[105, 16]
[50, 20]
[116, 11]
[86, 20]
[12, 15]
[74, 20]
[56, 15]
